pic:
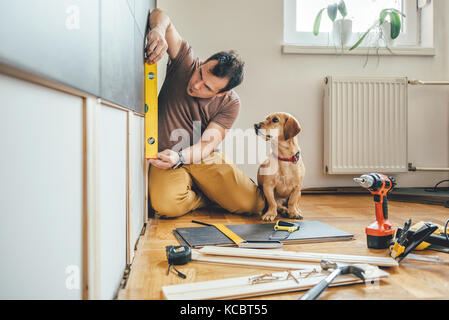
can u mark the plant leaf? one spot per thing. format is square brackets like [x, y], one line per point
[397, 11]
[317, 23]
[395, 23]
[361, 38]
[383, 14]
[332, 11]
[342, 8]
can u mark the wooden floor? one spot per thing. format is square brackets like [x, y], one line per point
[411, 280]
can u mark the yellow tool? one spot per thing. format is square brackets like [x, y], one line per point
[239, 241]
[151, 117]
[407, 240]
[228, 233]
[396, 250]
[285, 226]
[439, 231]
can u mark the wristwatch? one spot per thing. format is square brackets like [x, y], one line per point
[180, 162]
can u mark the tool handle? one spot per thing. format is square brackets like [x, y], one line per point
[385, 208]
[315, 292]
[203, 223]
[439, 240]
[381, 207]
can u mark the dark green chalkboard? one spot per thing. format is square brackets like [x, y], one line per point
[95, 46]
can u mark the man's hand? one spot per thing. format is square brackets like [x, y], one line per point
[162, 37]
[156, 45]
[165, 159]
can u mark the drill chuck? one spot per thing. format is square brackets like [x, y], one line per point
[365, 181]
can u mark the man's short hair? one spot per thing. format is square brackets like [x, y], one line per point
[229, 66]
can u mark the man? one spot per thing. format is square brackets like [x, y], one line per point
[196, 100]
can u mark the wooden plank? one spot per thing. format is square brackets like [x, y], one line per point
[241, 287]
[250, 262]
[298, 256]
[85, 268]
[92, 199]
[129, 186]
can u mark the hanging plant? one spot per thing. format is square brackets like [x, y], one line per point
[332, 12]
[395, 25]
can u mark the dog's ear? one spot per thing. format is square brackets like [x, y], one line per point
[291, 128]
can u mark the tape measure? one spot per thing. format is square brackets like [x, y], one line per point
[178, 255]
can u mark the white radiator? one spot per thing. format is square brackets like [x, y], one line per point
[365, 125]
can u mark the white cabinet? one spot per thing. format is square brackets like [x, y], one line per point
[72, 192]
[112, 167]
[41, 190]
[137, 174]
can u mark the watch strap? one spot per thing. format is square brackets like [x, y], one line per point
[180, 162]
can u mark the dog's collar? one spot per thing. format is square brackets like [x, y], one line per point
[293, 159]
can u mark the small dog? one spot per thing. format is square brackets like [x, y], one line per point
[281, 175]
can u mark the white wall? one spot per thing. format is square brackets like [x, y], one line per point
[293, 83]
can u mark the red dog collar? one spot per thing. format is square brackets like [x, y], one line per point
[293, 159]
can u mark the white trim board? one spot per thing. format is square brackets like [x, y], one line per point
[298, 256]
[241, 287]
[251, 262]
[361, 51]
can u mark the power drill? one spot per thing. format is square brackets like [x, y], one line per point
[379, 234]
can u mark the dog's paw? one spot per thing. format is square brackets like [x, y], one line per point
[269, 215]
[295, 214]
[283, 211]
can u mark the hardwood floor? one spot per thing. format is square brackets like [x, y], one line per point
[411, 280]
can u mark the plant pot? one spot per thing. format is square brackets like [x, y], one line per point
[386, 39]
[342, 32]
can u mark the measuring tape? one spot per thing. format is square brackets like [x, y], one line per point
[178, 255]
[151, 116]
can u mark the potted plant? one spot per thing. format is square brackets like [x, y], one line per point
[388, 27]
[342, 28]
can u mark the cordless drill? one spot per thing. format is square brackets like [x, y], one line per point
[379, 233]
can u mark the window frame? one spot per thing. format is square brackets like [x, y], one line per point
[323, 39]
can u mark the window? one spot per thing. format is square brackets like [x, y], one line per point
[299, 17]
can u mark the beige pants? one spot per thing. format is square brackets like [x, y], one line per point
[175, 192]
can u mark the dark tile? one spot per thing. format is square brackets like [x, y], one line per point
[57, 39]
[138, 69]
[117, 53]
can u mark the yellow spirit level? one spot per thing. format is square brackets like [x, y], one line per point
[151, 138]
